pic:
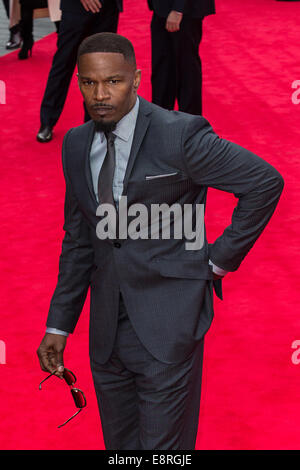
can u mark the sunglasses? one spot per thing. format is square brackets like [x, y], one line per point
[78, 395]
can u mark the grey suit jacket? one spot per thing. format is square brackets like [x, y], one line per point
[167, 290]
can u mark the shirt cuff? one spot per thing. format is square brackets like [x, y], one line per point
[55, 331]
[217, 270]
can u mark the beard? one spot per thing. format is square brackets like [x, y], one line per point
[105, 126]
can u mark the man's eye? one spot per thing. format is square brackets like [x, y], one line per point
[114, 81]
[88, 82]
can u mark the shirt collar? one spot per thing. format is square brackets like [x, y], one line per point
[126, 125]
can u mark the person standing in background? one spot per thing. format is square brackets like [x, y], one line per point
[21, 14]
[80, 18]
[176, 33]
[27, 9]
[15, 37]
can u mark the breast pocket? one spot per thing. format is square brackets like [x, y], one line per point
[164, 178]
[160, 188]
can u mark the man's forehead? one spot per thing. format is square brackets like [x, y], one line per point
[104, 63]
[101, 57]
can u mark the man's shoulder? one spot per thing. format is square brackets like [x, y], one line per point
[165, 117]
[81, 132]
[175, 126]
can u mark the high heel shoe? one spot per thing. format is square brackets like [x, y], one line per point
[26, 49]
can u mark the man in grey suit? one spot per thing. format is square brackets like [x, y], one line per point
[151, 298]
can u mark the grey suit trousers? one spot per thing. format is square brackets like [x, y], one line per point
[145, 403]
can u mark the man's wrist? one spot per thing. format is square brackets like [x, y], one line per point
[56, 331]
[216, 270]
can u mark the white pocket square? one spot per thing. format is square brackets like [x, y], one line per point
[160, 176]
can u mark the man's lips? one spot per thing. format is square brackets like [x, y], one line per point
[101, 109]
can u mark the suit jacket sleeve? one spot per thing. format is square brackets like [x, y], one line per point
[75, 262]
[178, 5]
[218, 163]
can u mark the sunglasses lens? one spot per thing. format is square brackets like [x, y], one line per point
[79, 398]
[69, 377]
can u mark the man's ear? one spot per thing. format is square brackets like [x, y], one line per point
[78, 82]
[137, 79]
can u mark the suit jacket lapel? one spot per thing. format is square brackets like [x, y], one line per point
[142, 123]
[87, 169]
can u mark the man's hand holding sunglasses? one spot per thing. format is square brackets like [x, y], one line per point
[50, 353]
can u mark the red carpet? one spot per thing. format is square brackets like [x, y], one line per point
[250, 394]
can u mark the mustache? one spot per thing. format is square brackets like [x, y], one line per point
[102, 106]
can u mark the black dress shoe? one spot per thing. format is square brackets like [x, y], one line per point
[45, 134]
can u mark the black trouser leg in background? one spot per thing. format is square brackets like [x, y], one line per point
[26, 22]
[189, 67]
[163, 76]
[176, 65]
[6, 6]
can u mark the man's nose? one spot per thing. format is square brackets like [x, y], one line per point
[101, 92]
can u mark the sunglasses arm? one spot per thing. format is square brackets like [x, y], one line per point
[48, 377]
[61, 425]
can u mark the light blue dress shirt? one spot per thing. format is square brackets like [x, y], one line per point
[124, 135]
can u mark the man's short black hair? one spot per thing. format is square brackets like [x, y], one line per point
[107, 42]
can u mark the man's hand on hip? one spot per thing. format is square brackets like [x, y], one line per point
[50, 353]
[173, 21]
[91, 5]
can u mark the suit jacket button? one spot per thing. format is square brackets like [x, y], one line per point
[117, 244]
